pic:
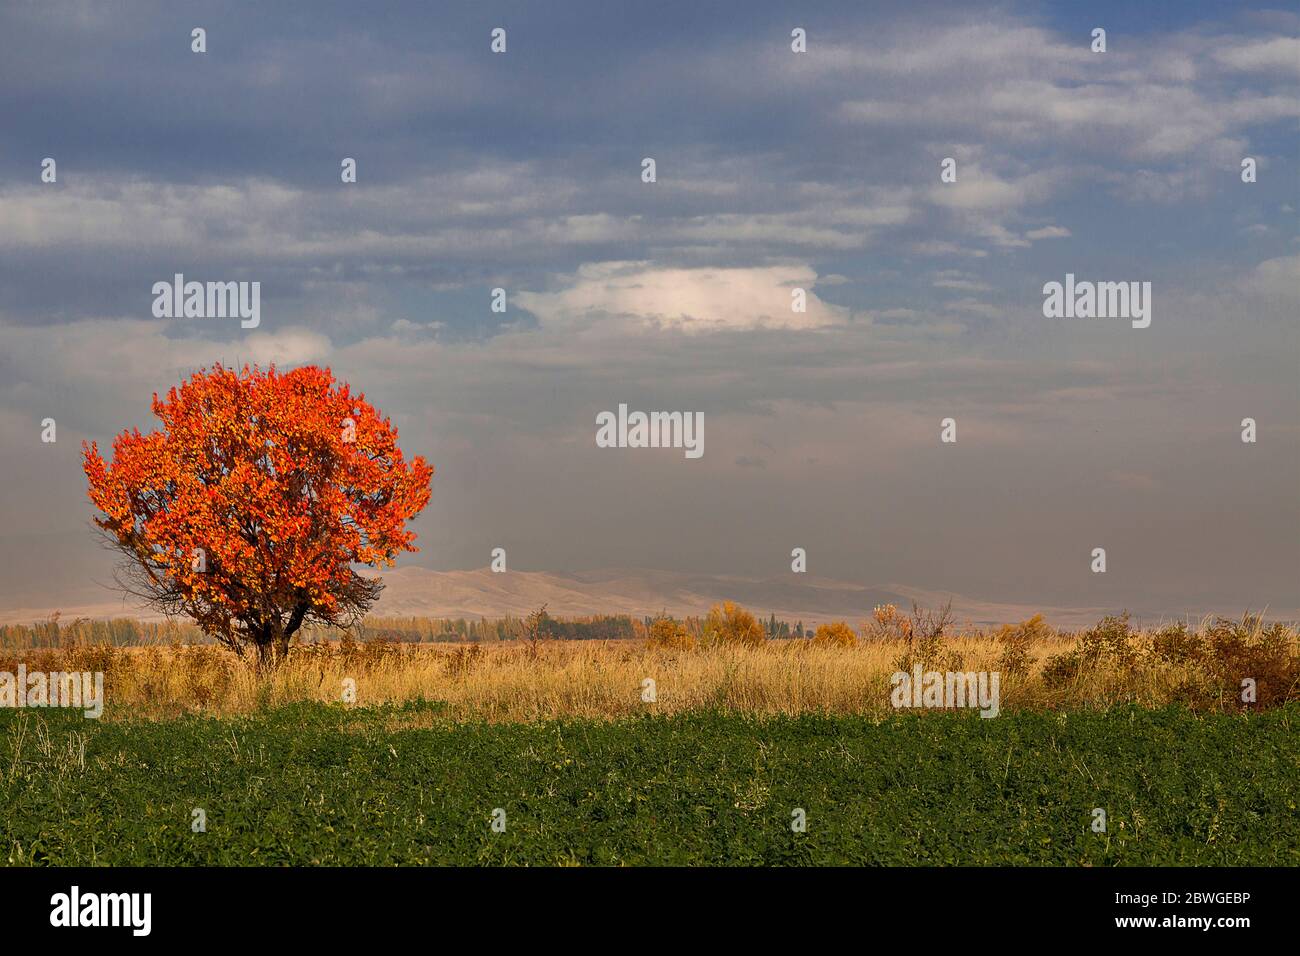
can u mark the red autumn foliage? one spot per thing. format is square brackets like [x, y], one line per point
[247, 509]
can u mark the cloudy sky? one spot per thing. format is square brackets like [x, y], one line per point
[775, 170]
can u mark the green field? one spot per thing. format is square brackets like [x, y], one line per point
[317, 784]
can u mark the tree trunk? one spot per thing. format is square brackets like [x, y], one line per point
[272, 639]
[267, 657]
[272, 648]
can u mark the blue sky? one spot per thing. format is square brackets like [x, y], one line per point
[775, 169]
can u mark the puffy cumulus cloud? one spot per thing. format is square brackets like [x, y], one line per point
[694, 299]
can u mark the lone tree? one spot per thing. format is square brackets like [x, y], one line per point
[249, 507]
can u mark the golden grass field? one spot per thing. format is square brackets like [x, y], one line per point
[837, 673]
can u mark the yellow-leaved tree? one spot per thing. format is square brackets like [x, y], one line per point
[729, 623]
[835, 634]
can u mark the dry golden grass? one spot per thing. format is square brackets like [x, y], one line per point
[1108, 664]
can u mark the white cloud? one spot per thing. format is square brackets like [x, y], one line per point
[1029, 86]
[1048, 232]
[955, 279]
[286, 347]
[1278, 278]
[1281, 54]
[692, 299]
[979, 190]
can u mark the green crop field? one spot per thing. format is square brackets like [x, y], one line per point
[320, 784]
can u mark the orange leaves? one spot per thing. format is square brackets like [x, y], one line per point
[282, 481]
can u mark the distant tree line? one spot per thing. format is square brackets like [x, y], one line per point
[121, 631]
[126, 632]
[771, 627]
[485, 630]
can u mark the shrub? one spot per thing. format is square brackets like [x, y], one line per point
[1109, 640]
[887, 623]
[1061, 669]
[729, 623]
[670, 634]
[535, 629]
[1212, 664]
[91, 657]
[1249, 649]
[923, 636]
[1016, 640]
[835, 634]
[1175, 644]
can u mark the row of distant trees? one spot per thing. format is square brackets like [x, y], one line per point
[729, 623]
[542, 625]
[122, 632]
[730, 619]
[601, 627]
[126, 632]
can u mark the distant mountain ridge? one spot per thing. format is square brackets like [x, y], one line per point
[422, 592]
